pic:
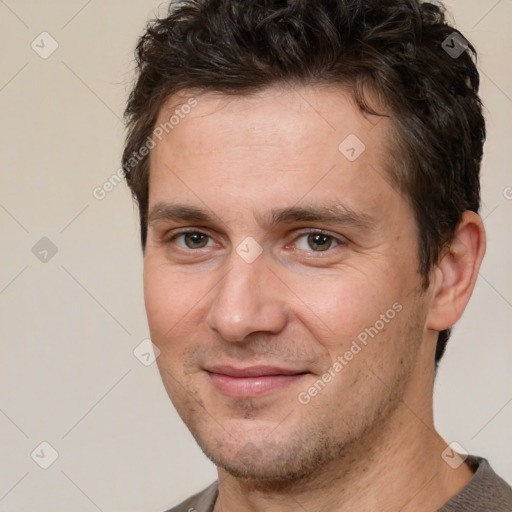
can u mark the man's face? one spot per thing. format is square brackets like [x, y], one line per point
[269, 289]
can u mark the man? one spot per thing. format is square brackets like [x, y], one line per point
[307, 175]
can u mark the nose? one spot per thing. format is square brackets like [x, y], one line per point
[249, 299]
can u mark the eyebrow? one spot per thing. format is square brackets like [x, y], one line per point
[178, 212]
[332, 213]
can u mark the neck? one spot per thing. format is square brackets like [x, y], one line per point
[398, 466]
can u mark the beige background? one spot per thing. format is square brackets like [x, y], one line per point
[69, 325]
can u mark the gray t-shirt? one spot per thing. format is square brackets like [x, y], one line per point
[485, 492]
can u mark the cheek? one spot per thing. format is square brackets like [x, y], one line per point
[172, 300]
[338, 306]
[158, 299]
[172, 307]
[360, 317]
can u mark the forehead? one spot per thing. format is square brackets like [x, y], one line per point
[280, 144]
[293, 115]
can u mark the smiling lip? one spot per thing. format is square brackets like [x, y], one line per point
[252, 382]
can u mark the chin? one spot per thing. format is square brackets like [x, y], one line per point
[268, 463]
[265, 470]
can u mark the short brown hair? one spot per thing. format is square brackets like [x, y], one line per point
[397, 48]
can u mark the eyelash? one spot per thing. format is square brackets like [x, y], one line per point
[339, 241]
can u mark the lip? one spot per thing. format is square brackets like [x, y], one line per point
[253, 381]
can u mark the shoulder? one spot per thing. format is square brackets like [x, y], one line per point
[485, 491]
[201, 502]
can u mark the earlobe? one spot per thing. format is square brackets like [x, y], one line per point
[455, 275]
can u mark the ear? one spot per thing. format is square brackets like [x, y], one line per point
[455, 275]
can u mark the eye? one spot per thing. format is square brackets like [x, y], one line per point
[192, 240]
[318, 242]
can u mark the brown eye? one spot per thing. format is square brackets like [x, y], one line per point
[316, 242]
[319, 242]
[192, 240]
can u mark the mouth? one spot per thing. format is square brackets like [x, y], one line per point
[252, 382]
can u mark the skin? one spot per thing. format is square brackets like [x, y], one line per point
[367, 439]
